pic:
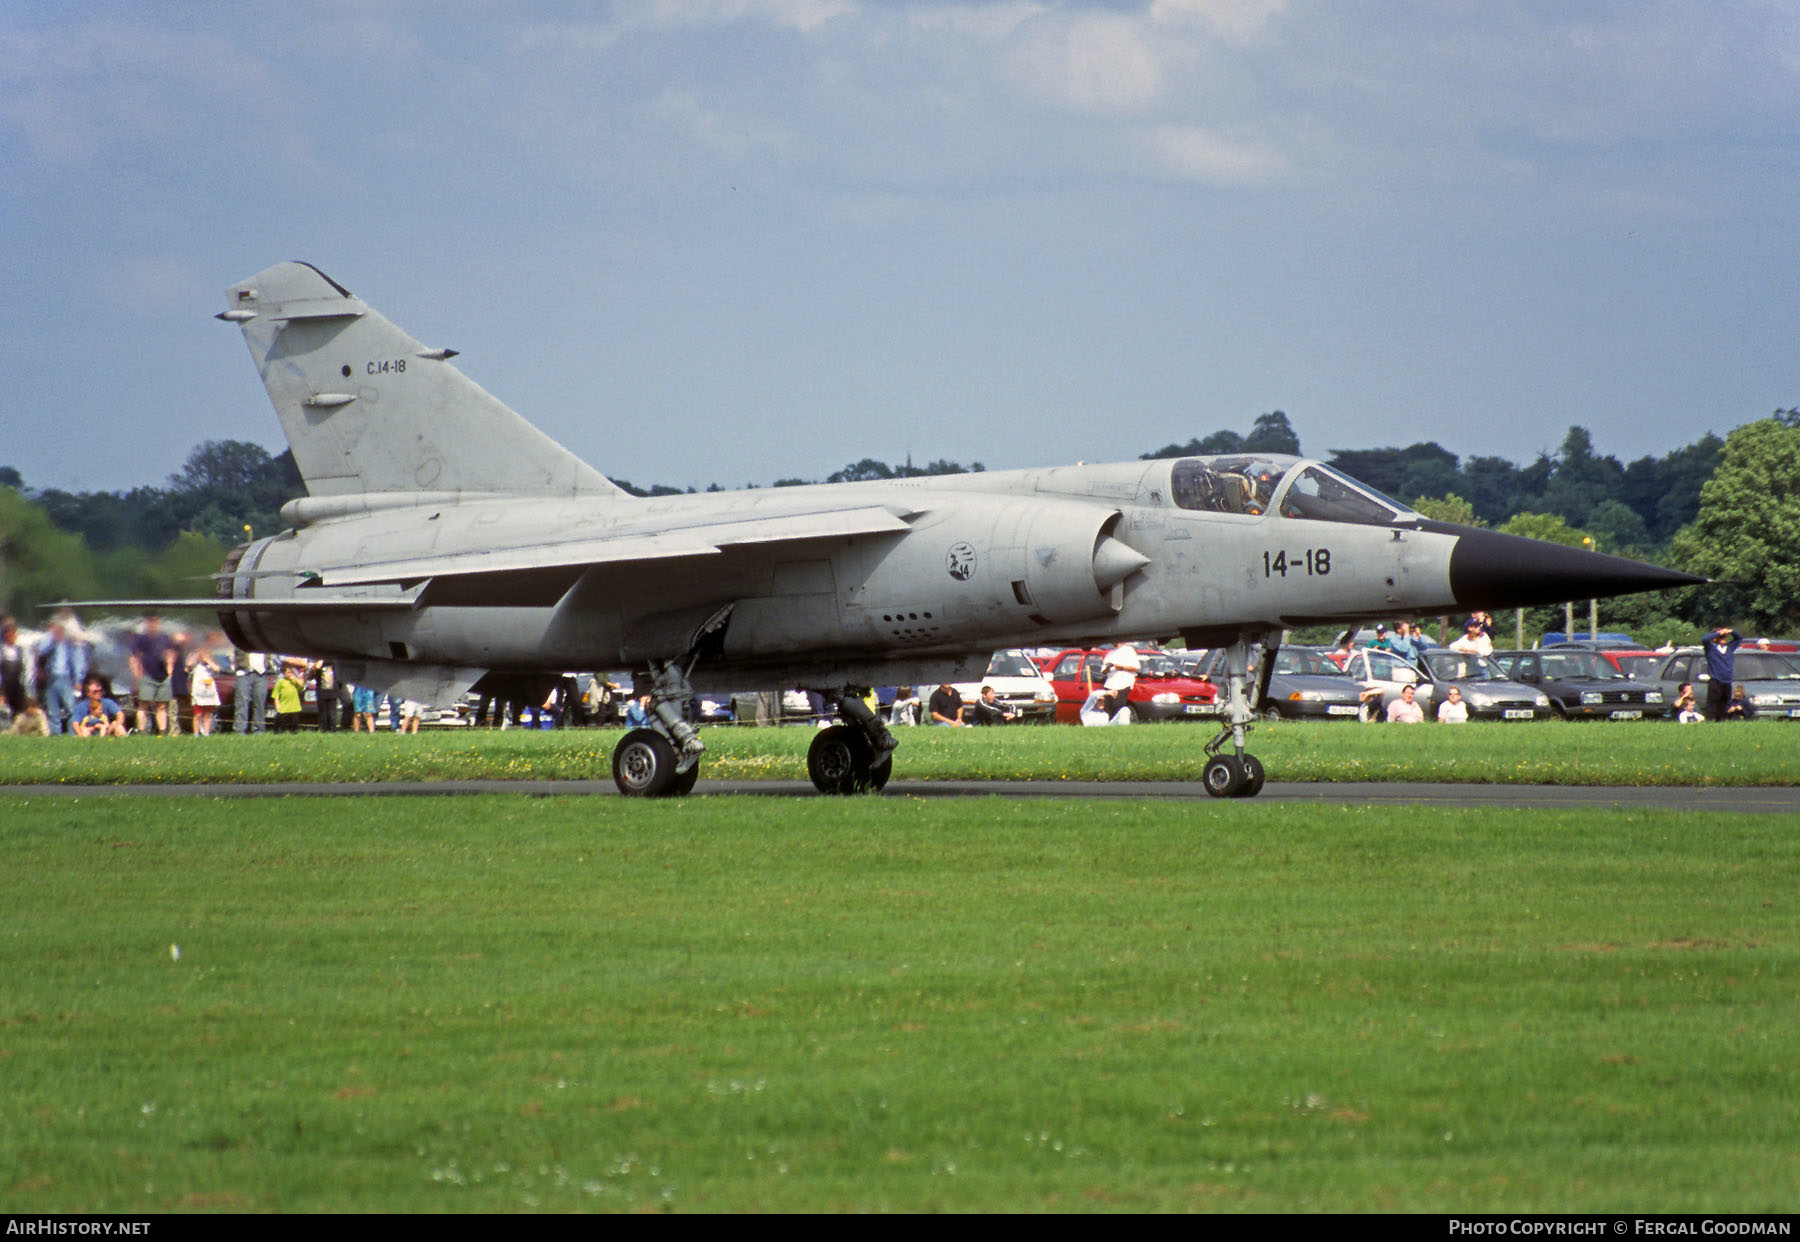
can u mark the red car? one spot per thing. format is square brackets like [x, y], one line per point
[1162, 692]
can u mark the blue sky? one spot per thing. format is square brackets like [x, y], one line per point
[732, 240]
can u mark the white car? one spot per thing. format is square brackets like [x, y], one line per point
[1020, 686]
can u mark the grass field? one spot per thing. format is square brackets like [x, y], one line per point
[509, 1003]
[1554, 752]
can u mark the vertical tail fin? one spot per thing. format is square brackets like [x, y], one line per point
[366, 408]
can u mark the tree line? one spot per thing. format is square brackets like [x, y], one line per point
[1726, 508]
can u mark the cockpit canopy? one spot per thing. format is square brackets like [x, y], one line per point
[1253, 485]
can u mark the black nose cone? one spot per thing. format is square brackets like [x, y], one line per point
[1491, 570]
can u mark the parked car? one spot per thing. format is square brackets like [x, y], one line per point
[1019, 685]
[1771, 680]
[1376, 670]
[1583, 685]
[1305, 684]
[1488, 692]
[1162, 692]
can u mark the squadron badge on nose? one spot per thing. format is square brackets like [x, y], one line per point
[960, 561]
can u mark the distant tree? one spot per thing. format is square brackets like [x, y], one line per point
[226, 466]
[1493, 486]
[1217, 444]
[1386, 469]
[1618, 528]
[862, 471]
[39, 563]
[10, 477]
[1747, 532]
[1272, 433]
[1546, 526]
[1448, 508]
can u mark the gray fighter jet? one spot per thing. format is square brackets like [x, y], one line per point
[444, 540]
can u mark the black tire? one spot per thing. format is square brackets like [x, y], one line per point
[684, 782]
[1253, 778]
[841, 761]
[1223, 776]
[644, 764]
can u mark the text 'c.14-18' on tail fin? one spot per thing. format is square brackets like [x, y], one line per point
[368, 409]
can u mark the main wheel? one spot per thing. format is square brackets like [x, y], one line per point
[1253, 778]
[841, 761]
[1223, 776]
[644, 764]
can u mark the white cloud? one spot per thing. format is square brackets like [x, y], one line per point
[1235, 21]
[1096, 63]
[988, 23]
[802, 15]
[1192, 153]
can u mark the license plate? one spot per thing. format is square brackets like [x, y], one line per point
[1626, 716]
[1517, 713]
[1341, 710]
[1196, 709]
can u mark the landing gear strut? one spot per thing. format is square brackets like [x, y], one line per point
[663, 760]
[1239, 774]
[854, 757]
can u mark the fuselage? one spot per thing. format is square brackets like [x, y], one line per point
[1014, 558]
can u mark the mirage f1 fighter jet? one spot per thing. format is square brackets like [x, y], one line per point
[444, 541]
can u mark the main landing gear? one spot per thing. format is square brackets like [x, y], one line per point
[1239, 774]
[663, 760]
[854, 757]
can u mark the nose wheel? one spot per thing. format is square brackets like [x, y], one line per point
[1233, 776]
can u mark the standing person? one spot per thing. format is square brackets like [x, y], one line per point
[62, 664]
[1474, 640]
[250, 712]
[152, 664]
[324, 678]
[362, 708]
[1403, 642]
[289, 692]
[17, 683]
[203, 690]
[1721, 648]
[1120, 669]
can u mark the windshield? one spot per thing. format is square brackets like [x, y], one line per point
[1011, 664]
[1322, 493]
[1311, 663]
[1580, 664]
[1459, 666]
[1155, 664]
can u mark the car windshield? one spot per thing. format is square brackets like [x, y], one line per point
[1764, 666]
[1580, 664]
[1011, 664]
[1311, 663]
[1460, 666]
[1156, 664]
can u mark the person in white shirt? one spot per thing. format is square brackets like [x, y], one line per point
[1120, 667]
[1474, 640]
[1453, 710]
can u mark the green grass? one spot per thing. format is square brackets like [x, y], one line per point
[509, 1003]
[1553, 752]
